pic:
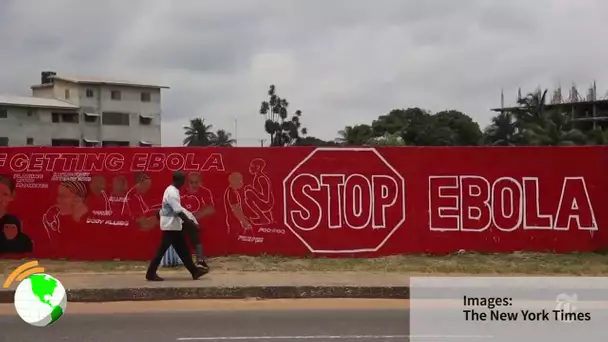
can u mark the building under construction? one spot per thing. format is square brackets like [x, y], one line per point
[588, 111]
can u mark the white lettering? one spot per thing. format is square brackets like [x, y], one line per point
[472, 203]
[338, 201]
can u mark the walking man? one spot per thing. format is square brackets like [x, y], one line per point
[191, 229]
[172, 216]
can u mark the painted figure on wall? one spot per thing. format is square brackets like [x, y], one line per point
[71, 198]
[12, 238]
[135, 207]
[118, 195]
[70, 206]
[97, 199]
[233, 204]
[197, 198]
[258, 195]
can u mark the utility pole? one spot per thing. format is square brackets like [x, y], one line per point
[236, 134]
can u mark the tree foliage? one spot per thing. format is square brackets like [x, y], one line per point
[414, 127]
[533, 123]
[283, 130]
[200, 134]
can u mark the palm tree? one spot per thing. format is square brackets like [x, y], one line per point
[502, 131]
[556, 130]
[198, 134]
[355, 135]
[223, 139]
[545, 127]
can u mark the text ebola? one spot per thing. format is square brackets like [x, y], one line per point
[473, 203]
[113, 162]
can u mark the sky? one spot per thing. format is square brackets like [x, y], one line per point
[341, 62]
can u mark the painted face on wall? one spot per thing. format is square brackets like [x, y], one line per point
[66, 200]
[119, 185]
[98, 184]
[6, 197]
[236, 180]
[10, 231]
[194, 181]
[144, 185]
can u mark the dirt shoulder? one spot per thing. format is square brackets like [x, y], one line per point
[590, 264]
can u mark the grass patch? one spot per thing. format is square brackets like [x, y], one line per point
[464, 263]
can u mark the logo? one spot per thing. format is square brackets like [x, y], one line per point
[40, 299]
[565, 303]
[344, 200]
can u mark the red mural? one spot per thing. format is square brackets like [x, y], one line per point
[101, 203]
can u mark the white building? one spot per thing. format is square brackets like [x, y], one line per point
[69, 111]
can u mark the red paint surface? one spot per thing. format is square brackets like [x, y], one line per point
[302, 201]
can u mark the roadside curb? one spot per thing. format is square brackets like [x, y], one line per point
[262, 292]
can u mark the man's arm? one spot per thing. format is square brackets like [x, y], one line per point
[205, 211]
[175, 203]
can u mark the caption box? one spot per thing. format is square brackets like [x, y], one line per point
[500, 309]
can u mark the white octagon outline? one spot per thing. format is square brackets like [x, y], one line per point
[355, 149]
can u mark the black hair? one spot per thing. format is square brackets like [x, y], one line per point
[12, 219]
[179, 176]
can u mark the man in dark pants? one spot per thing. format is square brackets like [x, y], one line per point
[172, 216]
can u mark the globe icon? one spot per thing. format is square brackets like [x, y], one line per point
[40, 300]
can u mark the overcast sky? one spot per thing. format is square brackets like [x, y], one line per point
[342, 62]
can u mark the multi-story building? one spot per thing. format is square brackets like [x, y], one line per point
[68, 111]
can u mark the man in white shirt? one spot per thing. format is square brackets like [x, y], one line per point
[172, 215]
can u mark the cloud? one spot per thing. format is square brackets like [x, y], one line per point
[341, 62]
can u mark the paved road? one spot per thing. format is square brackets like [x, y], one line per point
[362, 324]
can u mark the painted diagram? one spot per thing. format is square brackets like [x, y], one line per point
[249, 205]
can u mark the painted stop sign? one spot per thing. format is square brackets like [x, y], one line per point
[344, 200]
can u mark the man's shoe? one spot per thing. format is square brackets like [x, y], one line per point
[199, 273]
[154, 278]
[202, 265]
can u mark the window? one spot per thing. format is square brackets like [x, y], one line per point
[144, 144]
[3, 141]
[116, 95]
[67, 94]
[115, 119]
[29, 141]
[65, 117]
[145, 120]
[65, 142]
[145, 97]
[90, 118]
[90, 143]
[114, 143]
[90, 93]
[3, 113]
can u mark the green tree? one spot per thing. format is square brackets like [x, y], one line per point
[466, 132]
[537, 125]
[597, 136]
[418, 127]
[312, 141]
[283, 131]
[502, 131]
[222, 139]
[387, 140]
[355, 135]
[198, 134]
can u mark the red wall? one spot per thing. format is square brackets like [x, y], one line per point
[301, 201]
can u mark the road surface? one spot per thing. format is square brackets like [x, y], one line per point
[288, 320]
